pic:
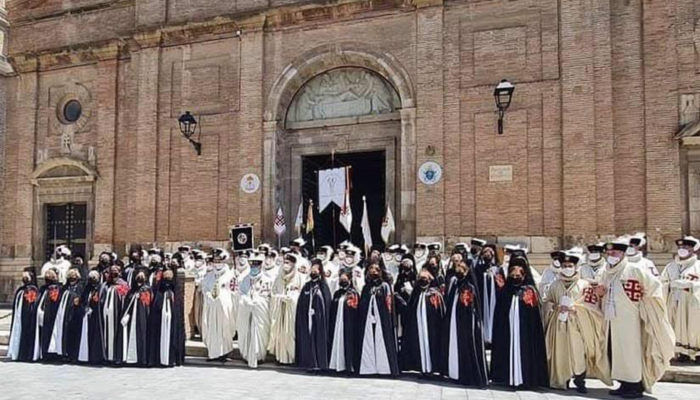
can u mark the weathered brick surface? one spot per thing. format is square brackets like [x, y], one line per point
[589, 133]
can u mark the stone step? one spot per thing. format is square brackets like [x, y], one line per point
[197, 355]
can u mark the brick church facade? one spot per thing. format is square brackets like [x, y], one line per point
[600, 138]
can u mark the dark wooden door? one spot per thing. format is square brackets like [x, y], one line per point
[66, 224]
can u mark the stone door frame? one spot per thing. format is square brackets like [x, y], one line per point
[58, 190]
[277, 178]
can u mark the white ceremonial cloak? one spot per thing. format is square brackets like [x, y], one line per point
[637, 332]
[218, 318]
[283, 306]
[681, 283]
[254, 319]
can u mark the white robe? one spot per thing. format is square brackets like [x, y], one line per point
[283, 305]
[254, 319]
[681, 282]
[61, 266]
[637, 332]
[218, 318]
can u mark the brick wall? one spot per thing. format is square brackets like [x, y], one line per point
[588, 135]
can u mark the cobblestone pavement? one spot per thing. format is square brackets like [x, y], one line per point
[210, 381]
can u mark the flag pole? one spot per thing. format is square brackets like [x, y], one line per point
[313, 231]
[333, 208]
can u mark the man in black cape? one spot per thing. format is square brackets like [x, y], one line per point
[135, 257]
[104, 263]
[464, 358]
[403, 287]
[23, 325]
[166, 329]
[112, 303]
[432, 265]
[487, 271]
[344, 325]
[521, 362]
[311, 322]
[69, 314]
[135, 319]
[377, 344]
[90, 347]
[420, 345]
[49, 301]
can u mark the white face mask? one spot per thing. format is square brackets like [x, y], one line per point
[420, 253]
[198, 263]
[556, 263]
[387, 257]
[613, 261]
[568, 271]
[594, 256]
[321, 256]
[287, 267]
[631, 251]
[506, 259]
[398, 257]
[349, 260]
[683, 252]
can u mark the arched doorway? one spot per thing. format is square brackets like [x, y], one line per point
[348, 104]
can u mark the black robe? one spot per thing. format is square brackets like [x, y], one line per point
[138, 303]
[28, 297]
[49, 302]
[113, 295]
[311, 347]
[349, 325]
[410, 352]
[463, 306]
[402, 296]
[532, 342]
[381, 293]
[166, 299]
[91, 314]
[72, 322]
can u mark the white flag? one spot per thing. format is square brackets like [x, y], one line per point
[346, 213]
[300, 218]
[388, 225]
[280, 223]
[331, 187]
[366, 233]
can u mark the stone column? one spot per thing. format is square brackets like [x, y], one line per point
[406, 218]
[269, 182]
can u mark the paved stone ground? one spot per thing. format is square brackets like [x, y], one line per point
[38, 381]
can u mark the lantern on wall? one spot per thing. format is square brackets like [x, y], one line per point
[503, 95]
[188, 126]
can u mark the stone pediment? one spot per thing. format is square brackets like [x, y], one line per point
[63, 169]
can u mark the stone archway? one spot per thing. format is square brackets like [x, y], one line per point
[298, 73]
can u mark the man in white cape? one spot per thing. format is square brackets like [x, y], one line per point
[681, 282]
[637, 335]
[283, 306]
[218, 318]
[253, 322]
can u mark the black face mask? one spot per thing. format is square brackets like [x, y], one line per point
[423, 283]
[344, 284]
[114, 276]
[374, 278]
[474, 251]
[460, 274]
[26, 280]
[314, 275]
[517, 281]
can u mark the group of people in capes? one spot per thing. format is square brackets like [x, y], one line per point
[600, 312]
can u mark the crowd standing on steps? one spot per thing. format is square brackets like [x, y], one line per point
[600, 312]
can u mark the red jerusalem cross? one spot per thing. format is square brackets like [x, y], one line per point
[633, 289]
[589, 296]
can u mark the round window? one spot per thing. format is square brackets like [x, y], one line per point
[72, 111]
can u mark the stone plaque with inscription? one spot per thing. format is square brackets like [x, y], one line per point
[500, 173]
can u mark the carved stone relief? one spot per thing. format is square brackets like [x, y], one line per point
[343, 92]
